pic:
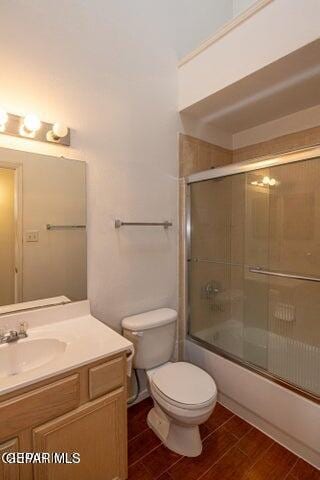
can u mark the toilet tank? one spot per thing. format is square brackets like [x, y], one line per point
[153, 335]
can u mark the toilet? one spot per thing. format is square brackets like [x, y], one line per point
[183, 394]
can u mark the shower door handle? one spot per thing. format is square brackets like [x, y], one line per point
[261, 271]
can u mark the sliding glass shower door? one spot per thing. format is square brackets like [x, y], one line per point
[254, 269]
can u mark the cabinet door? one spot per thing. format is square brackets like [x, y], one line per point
[9, 471]
[97, 431]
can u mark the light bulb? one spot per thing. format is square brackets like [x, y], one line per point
[266, 180]
[272, 182]
[31, 123]
[3, 118]
[59, 130]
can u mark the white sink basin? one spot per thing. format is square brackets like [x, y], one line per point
[26, 355]
[60, 339]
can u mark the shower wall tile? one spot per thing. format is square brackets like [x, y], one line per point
[285, 143]
[195, 155]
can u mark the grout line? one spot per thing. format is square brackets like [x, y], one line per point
[239, 438]
[236, 446]
[222, 425]
[262, 454]
[205, 440]
[167, 470]
[138, 434]
[219, 459]
[149, 451]
[291, 469]
[225, 453]
[143, 456]
[146, 426]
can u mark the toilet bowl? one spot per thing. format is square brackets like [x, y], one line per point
[183, 394]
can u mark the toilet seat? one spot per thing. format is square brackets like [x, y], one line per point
[184, 386]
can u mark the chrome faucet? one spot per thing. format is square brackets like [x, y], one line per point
[9, 336]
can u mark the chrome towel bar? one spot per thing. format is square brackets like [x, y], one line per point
[283, 275]
[120, 223]
[60, 227]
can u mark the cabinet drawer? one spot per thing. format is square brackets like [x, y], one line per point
[106, 377]
[39, 405]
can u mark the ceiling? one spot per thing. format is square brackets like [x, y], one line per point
[283, 87]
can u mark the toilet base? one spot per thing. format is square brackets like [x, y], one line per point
[184, 440]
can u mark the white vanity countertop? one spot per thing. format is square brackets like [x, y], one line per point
[82, 339]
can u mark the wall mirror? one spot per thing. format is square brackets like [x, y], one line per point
[42, 227]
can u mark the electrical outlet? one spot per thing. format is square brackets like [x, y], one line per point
[32, 236]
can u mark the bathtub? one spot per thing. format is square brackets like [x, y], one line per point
[287, 417]
[284, 357]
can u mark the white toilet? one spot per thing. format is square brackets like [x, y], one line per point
[184, 395]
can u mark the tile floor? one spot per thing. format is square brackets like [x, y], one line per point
[232, 450]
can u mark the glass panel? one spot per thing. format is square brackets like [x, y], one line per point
[265, 220]
[256, 287]
[294, 305]
[216, 266]
[295, 218]
[294, 333]
[211, 219]
[216, 305]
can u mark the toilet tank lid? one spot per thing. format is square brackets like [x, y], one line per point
[151, 319]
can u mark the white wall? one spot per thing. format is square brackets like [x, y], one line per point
[276, 30]
[108, 69]
[301, 120]
[89, 64]
[205, 131]
[195, 21]
[241, 5]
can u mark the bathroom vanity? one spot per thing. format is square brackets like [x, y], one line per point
[66, 393]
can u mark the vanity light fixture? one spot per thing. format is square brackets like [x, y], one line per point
[31, 124]
[3, 119]
[31, 127]
[59, 130]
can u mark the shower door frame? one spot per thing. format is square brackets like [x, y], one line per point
[226, 171]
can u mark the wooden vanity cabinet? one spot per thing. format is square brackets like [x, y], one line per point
[83, 411]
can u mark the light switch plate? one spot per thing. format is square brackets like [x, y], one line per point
[32, 236]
